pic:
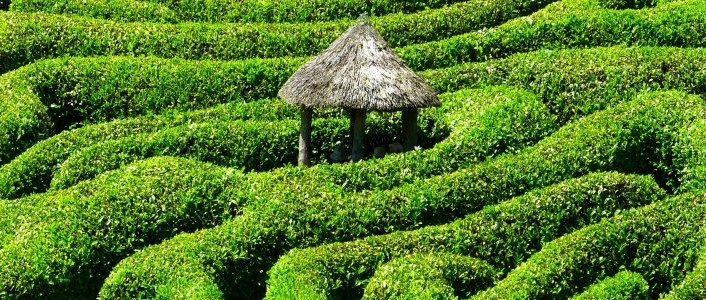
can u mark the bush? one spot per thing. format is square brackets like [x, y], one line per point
[227, 11]
[626, 138]
[35, 36]
[246, 145]
[500, 234]
[484, 123]
[694, 284]
[573, 83]
[32, 171]
[119, 10]
[655, 241]
[57, 245]
[437, 275]
[690, 156]
[250, 188]
[568, 24]
[625, 285]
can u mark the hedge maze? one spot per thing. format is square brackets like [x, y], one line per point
[144, 153]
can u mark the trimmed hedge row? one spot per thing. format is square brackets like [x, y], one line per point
[253, 187]
[34, 36]
[58, 245]
[247, 145]
[656, 241]
[694, 284]
[169, 11]
[577, 77]
[32, 171]
[626, 138]
[54, 95]
[625, 285]
[573, 83]
[437, 275]
[569, 23]
[119, 10]
[483, 123]
[690, 156]
[500, 234]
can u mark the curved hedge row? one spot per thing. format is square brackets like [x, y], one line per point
[499, 234]
[482, 122]
[569, 23]
[655, 241]
[573, 83]
[625, 285]
[169, 11]
[32, 171]
[248, 145]
[629, 137]
[694, 284]
[34, 36]
[251, 187]
[57, 245]
[119, 10]
[438, 275]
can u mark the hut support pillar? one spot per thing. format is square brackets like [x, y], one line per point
[305, 137]
[358, 133]
[409, 127]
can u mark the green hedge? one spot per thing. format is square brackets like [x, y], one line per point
[690, 156]
[227, 11]
[247, 145]
[253, 187]
[58, 245]
[119, 10]
[629, 138]
[484, 123]
[625, 285]
[656, 241]
[438, 275]
[694, 284]
[32, 171]
[573, 83]
[34, 35]
[499, 234]
[568, 24]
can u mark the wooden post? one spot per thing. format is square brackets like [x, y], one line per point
[409, 127]
[358, 133]
[305, 137]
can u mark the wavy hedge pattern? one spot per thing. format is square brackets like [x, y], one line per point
[143, 153]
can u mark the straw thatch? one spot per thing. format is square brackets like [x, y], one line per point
[358, 71]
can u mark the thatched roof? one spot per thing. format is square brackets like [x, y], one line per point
[359, 71]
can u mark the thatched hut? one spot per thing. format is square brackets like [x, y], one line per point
[358, 72]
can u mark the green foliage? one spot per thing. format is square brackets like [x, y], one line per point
[498, 234]
[655, 241]
[568, 24]
[437, 275]
[625, 285]
[573, 83]
[625, 138]
[227, 11]
[694, 284]
[35, 36]
[32, 171]
[119, 10]
[56, 245]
